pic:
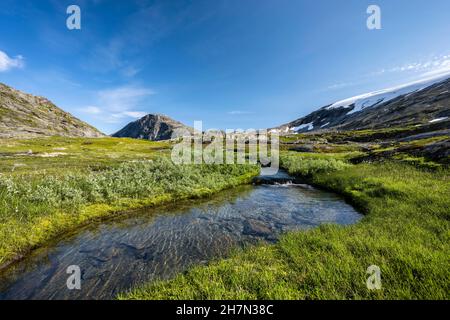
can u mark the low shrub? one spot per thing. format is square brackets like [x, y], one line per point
[308, 166]
[35, 207]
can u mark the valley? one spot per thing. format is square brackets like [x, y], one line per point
[351, 196]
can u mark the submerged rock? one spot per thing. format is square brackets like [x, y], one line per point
[256, 228]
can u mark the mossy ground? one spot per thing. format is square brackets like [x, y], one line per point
[59, 155]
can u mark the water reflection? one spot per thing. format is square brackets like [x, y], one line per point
[157, 243]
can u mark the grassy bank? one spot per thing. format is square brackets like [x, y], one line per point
[406, 232]
[37, 205]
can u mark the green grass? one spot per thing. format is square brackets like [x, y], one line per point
[406, 232]
[310, 165]
[57, 155]
[37, 205]
[371, 135]
[350, 135]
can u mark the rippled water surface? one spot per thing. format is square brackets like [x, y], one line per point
[157, 243]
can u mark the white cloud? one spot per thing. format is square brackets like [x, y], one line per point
[135, 114]
[442, 69]
[116, 104]
[118, 117]
[238, 112]
[434, 65]
[123, 98]
[91, 110]
[340, 85]
[7, 63]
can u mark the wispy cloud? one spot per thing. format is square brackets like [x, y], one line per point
[123, 98]
[91, 110]
[239, 112]
[438, 65]
[134, 114]
[8, 63]
[434, 65]
[120, 116]
[139, 31]
[439, 72]
[116, 104]
[340, 85]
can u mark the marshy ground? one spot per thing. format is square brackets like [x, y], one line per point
[51, 185]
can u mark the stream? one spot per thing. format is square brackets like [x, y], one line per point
[157, 243]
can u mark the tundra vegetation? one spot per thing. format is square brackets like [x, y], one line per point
[49, 186]
[405, 232]
[62, 183]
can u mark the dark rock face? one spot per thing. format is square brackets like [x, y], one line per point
[426, 135]
[303, 148]
[153, 127]
[437, 151]
[23, 115]
[421, 106]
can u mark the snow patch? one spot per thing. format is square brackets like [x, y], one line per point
[324, 125]
[310, 126]
[438, 119]
[374, 98]
[52, 154]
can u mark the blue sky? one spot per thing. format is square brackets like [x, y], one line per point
[232, 64]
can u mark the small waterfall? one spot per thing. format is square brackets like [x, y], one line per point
[280, 178]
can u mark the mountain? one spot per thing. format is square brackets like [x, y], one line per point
[153, 127]
[23, 115]
[418, 103]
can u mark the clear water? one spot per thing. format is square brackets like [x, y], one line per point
[158, 243]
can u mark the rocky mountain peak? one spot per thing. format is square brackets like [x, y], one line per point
[23, 115]
[419, 103]
[153, 127]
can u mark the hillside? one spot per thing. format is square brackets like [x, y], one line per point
[153, 127]
[23, 115]
[420, 103]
